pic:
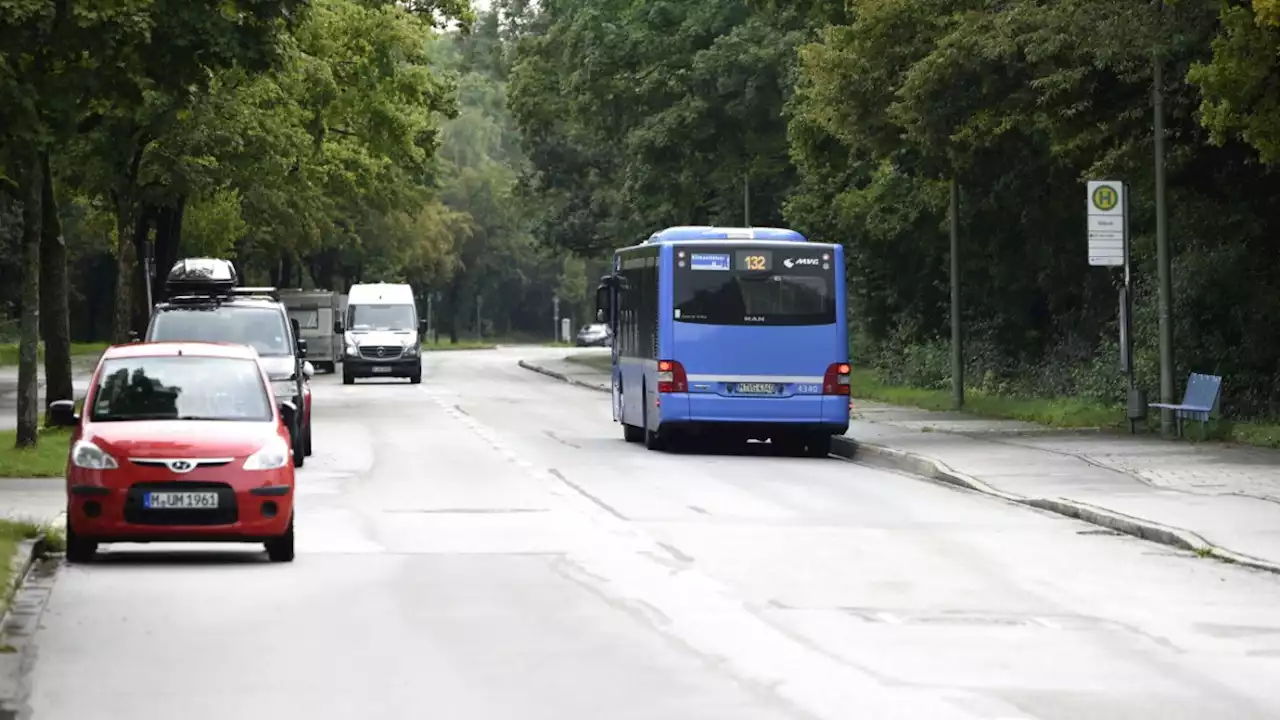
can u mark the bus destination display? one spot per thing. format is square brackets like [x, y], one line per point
[708, 261]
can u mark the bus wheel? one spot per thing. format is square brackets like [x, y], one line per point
[820, 445]
[653, 439]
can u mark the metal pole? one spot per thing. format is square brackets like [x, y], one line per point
[1163, 261]
[430, 314]
[479, 331]
[555, 318]
[1126, 319]
[957, 340]
[746, 201]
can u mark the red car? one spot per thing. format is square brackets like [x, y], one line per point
[178, 442]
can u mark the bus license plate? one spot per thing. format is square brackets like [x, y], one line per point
[757, 388]
[181, 501]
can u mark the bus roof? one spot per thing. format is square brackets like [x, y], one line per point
[711, 232]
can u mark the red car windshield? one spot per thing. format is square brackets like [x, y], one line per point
[180, 388]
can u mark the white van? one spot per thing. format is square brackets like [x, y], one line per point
[380, 331]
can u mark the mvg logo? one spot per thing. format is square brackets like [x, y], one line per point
[792, 262]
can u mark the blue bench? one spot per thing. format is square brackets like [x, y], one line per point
[1200, 399]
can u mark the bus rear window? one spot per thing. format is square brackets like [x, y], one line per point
[754, 287]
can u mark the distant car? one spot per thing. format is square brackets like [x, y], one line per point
[178, 442]
[595, 334]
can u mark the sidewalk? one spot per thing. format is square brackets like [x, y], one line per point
[1211, 498]
[81, 370]
[40, 500]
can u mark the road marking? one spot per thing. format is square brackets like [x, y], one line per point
[704, 614]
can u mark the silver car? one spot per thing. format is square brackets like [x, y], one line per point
[595, 334]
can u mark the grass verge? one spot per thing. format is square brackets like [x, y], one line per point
[47, 459]
[601, 362]
[445, 345]
[12, 533]
[9, 351]
[1051, 412]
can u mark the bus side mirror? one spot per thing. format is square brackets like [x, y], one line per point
[602, 304]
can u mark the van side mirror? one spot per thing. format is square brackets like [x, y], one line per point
[302, 348]
[62, 414]
[337, 327]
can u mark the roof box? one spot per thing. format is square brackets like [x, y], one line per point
[201, 276]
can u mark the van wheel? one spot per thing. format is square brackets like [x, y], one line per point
[415, 379]
[306, 440]
[632, 434]
[299, 450]
[347, 379]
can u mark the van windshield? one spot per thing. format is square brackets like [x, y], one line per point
[381, 317]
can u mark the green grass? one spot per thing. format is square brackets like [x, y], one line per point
[12, 533]
[601, 362]
[1064, 413]
[47, 459]
[1054, 412]
[9, 351]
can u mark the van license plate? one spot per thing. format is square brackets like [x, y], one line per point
[756, 388]
[382, 368]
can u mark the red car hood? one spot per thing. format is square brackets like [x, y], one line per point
[180, 438]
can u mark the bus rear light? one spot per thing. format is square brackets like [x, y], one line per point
[671, 377]
[836, 379]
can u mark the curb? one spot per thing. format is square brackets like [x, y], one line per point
[25, 557]
[938, 471]
[562, 377]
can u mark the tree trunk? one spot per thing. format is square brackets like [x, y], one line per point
[29, 347]
[168, 243]
[455, 293]
[55, 315]
[126, 260]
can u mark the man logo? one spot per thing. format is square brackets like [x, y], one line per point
[181, 466]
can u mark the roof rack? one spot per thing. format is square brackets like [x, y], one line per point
[269, 292]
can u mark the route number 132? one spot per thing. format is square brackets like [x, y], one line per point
[755, 262]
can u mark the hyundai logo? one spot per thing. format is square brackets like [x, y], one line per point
[181, 466]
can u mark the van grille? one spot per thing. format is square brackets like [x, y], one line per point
[381, 352]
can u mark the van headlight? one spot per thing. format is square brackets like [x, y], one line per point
[352, 350]
[273, 455]
[412, 350]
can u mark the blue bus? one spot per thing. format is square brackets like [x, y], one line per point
[736, 333]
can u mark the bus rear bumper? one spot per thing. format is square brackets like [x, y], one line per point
[807, 413]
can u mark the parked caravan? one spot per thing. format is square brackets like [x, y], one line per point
[315, 312]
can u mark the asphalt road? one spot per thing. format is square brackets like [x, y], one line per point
[485, 546]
